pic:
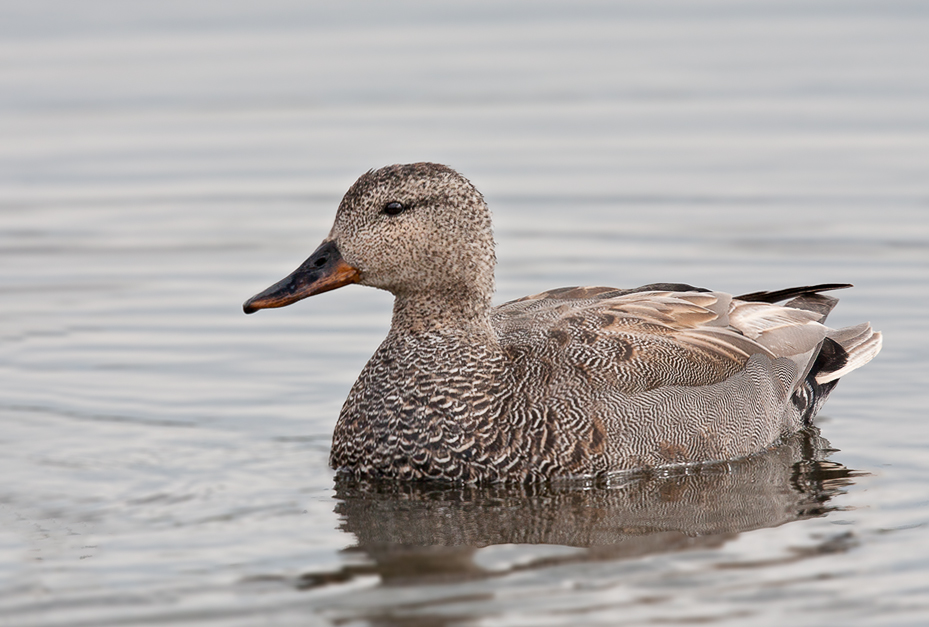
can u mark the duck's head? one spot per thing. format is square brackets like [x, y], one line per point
[421, 231]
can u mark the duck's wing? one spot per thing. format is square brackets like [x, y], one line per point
[665, 376]
[655, 336]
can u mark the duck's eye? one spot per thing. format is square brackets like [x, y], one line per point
[394, 208]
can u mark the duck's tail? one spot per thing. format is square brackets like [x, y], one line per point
[842, 350]
[859, 345]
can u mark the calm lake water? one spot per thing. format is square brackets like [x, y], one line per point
[164, 457]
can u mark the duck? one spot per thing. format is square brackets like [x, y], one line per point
[575, 382]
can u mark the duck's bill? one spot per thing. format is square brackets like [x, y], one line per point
[324, 270]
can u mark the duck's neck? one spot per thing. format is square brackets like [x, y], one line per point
[454, 311]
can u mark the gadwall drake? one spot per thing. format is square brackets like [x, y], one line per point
[578, 381]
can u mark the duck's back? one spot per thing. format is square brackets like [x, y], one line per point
[667, 373]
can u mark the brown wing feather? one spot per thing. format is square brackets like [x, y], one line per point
[637, 341]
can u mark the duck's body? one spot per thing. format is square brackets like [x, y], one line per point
[571, 382]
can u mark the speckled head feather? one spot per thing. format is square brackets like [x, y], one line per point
[422, 232]
[571, 382]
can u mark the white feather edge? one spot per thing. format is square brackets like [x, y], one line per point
[861, 348]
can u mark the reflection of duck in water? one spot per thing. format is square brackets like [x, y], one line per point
[576, 381]
[425, 529]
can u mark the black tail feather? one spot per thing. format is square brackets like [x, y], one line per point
[791, 292]
[811, 395]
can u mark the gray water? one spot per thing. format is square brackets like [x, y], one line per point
[164, 457]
